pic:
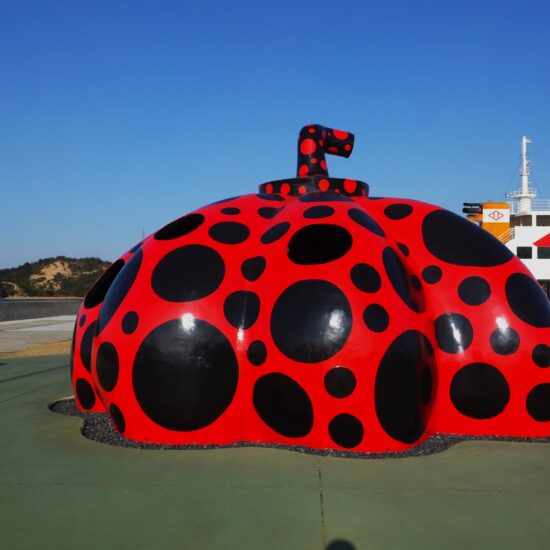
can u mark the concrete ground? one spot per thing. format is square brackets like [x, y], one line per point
[60, 490]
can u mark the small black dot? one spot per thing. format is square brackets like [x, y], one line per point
[541, 356]
[398, 211]
[107, 366]
[474, 291]
[320, 211]
[454, 332]
[253, 268]
[241, 309]
[340, 382]
[364, 220]
[404, 249]
[319, 244]
[415, 283]
[538, 403]
[82, 321]
[180, 227]
[257, 353]
[346, 431]
[365, 278]
[270, 197]
[504, 341]
[118, 418]
[86, 346]
[85, 394]
[432, 274]
[231, 211]
[324, 196]
[97, 293]
[269, 212]
[130, 322]
[376, 318]
[275, 233]
[229, 232]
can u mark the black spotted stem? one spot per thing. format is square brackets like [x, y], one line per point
[314, 142]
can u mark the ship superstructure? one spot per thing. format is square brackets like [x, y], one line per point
[522, 223]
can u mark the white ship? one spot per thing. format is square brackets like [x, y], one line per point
[522, 223]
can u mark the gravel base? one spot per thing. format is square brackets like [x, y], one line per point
[97, 426]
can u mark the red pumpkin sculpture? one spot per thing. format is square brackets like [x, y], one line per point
[313, 315]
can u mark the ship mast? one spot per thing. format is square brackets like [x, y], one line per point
[526, 193]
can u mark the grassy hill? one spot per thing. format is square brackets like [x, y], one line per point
[59, 276]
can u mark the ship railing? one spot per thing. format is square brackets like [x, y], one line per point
[508, 235]
[536, 205]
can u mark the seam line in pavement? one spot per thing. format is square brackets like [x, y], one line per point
[32, 374]
[31, 391]
[322, 506]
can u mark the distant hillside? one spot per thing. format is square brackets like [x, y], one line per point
[59, 276]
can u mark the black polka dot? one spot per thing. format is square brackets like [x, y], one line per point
[474, 291]
[72, 357]
[376, 318]
[398, 277]
[479, 391]
[241, 309]
[85, 394]
[229, 232]
[426, 385]
[541, 356]
[180, 227]
[96, 294]
[415, 283]
[454, 332]
[319, 244]
[283, 405]
[231, 211]
[118, 418]
[324, 196]
[275, 233]
[364, 220]
[398, 211]
[365, 278]
[82, 321]
[340, 382]
[253, 268]
[346, 431]
[119, 289]
[188, 273]
[136, 247]
[130, 322]
[538, 403]
[527, 300]
[257, 353]
[86, 347]
[270, 197]
[269, 212]
[320, 211]
[185, 374]
[398, 390]
[107, 366]
[404, 249]
[455, 240]
[504, 341]
[311, 321]
[432, 274]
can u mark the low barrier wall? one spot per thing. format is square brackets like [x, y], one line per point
[14, 310]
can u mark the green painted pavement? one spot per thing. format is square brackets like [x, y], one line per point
[61, 490]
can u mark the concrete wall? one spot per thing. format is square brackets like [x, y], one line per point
[13, 310]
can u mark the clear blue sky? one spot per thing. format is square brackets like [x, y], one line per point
[122, 115]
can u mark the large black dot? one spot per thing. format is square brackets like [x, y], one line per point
[185, 374]
[538, 403]
[479, 391]
[283, 405]
[346, 430]
[268, 212]
[376, 318]
[136, 247]
[398, 391]
[365, 278]
[432, 274]
[504, 341]
[118, 418]
[398, 277]
[85, 394]
[229, 232]
[257, 353]
[130, 322]
[474, 291]
[86, 346]
[119, 289]
[340, 382]
[454, 332]
[107, 366]
[426, 385]
[188, 273]
[455, 240]
[364, 220]
[275, 233]
[541, 356]
[97, 293]
[311, 321]
[180, 227]
[398, 211]
[527, 300]
[316, 212]
[319, 244]
[241, 309]
[253, 268]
